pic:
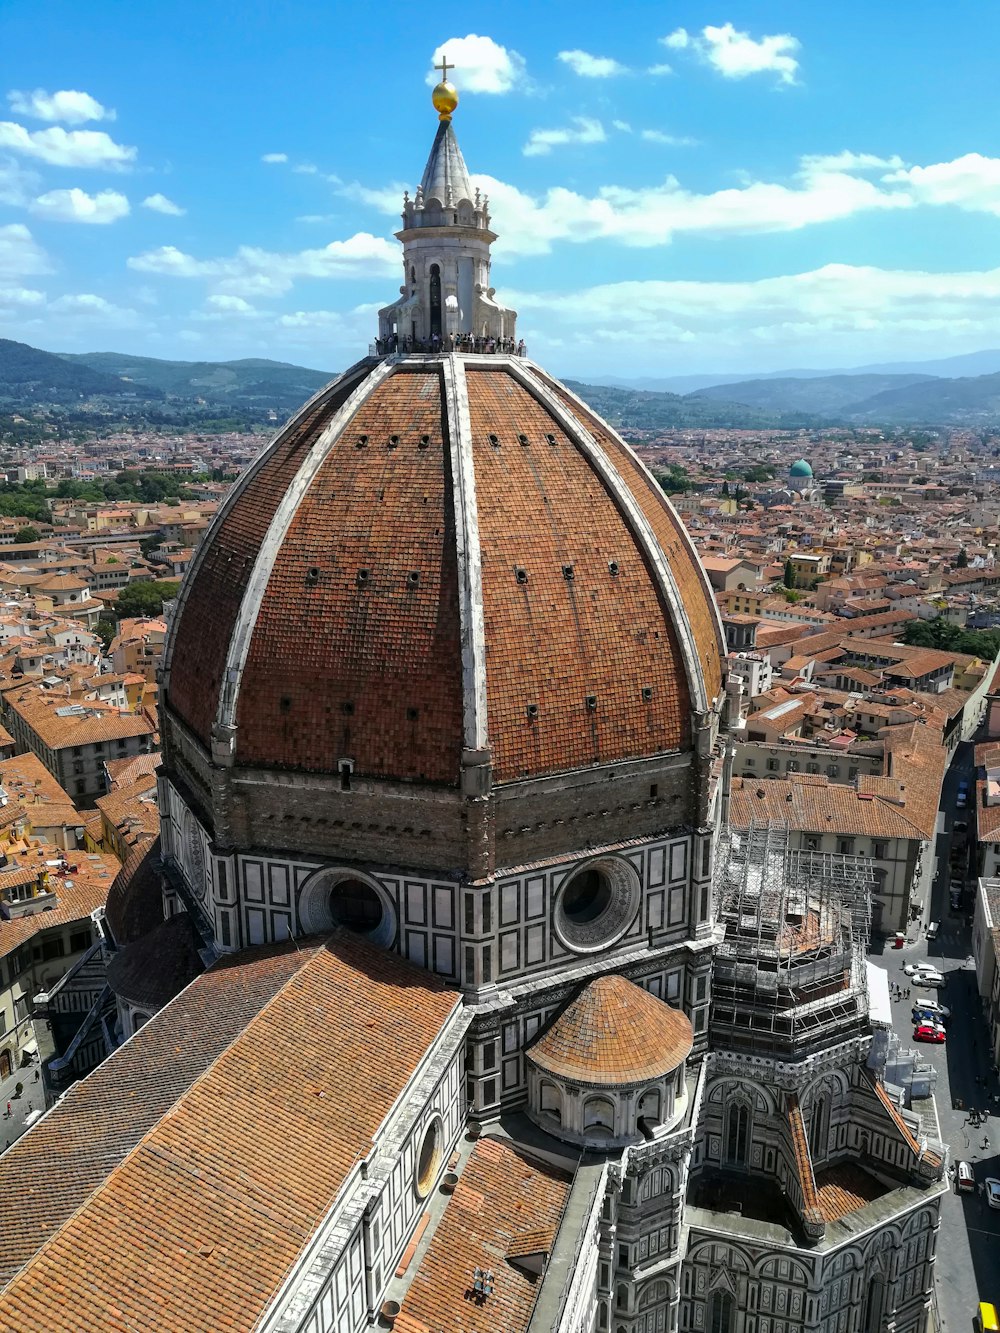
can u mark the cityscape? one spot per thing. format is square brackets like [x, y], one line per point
[488, 844]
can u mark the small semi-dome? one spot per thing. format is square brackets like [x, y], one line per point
[800, 469]
[614, 1033]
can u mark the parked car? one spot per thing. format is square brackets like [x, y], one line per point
[931, 1006]
[993, 1191]
[986, 1318]
[934, 979]
[956, 899]
[965, 1177]
[921, 1019]
[936, 1034]
[914, 969]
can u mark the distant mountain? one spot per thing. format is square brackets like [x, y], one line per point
[252, 383]
[824, 396]
[28, 376]
[969, 363]
[636, 409]
[970, 401]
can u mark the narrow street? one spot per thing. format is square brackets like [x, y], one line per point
[968, 1253]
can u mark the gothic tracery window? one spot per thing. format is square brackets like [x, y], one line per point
[737, 1132]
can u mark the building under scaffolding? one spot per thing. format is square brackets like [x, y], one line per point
[790, 976]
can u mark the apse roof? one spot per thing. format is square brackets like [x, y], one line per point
[614, 1033]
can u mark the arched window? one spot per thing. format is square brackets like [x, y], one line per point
[874, 1306]
[599, 1116]
[819, 1126]
[649, 1106]
[551, 1100]
[721, 1310]
[737, 1132]
[435, 293]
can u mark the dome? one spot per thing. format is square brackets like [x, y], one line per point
[443, 556]
[614, 1033]
[800, 469]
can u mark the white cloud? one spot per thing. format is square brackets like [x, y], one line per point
[971, 182]
[20, 254]
[20, 298]
[622, 125]
[78, 206]
[73, 108]
[583, 131]
[673, 140]
[306, 169]
[66, 148]
[95, 308]
[839, 309]
[591, 67]
[159, 203]
[653, 215]
[274, 157]
[736, 54]
[222, 308]
[660, 69]
[18, 185]
[252, 271]
[481, 65]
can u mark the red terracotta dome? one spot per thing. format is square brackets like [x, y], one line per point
[614, 1034]
[444, 554]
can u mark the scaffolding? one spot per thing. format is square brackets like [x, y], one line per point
[789, 976]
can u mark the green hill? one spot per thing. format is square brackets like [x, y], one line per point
[638, 409]
[253, 383]
[822, 395]
[29, 376]
[972, 401]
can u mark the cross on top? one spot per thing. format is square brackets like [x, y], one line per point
[444, 67]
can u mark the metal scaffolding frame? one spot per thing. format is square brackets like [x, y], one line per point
[790, 972]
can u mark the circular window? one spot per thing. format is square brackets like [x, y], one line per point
[429, 1158]
[346, 898]
[596, 904]
[356, 905]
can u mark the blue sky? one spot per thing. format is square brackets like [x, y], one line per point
[677, 187]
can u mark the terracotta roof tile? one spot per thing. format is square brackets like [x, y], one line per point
[504, 1199]
[614, 1033]
[146, 1201]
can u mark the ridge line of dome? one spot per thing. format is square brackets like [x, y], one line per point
[636, 520]
[360, 368]
[224, 729]
[470, 606]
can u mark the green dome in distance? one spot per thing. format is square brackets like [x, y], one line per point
[800, 469]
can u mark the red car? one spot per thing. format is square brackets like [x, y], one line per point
[926, 1033]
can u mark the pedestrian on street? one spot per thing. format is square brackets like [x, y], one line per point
[9, 1112]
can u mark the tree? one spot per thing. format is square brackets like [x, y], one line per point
[145, 598]
[26, 534]
[963, 560]
[789, 574]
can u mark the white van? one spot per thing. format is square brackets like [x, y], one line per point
[932, 929]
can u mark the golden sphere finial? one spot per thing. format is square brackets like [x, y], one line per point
[444, 96]
[445, 99]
